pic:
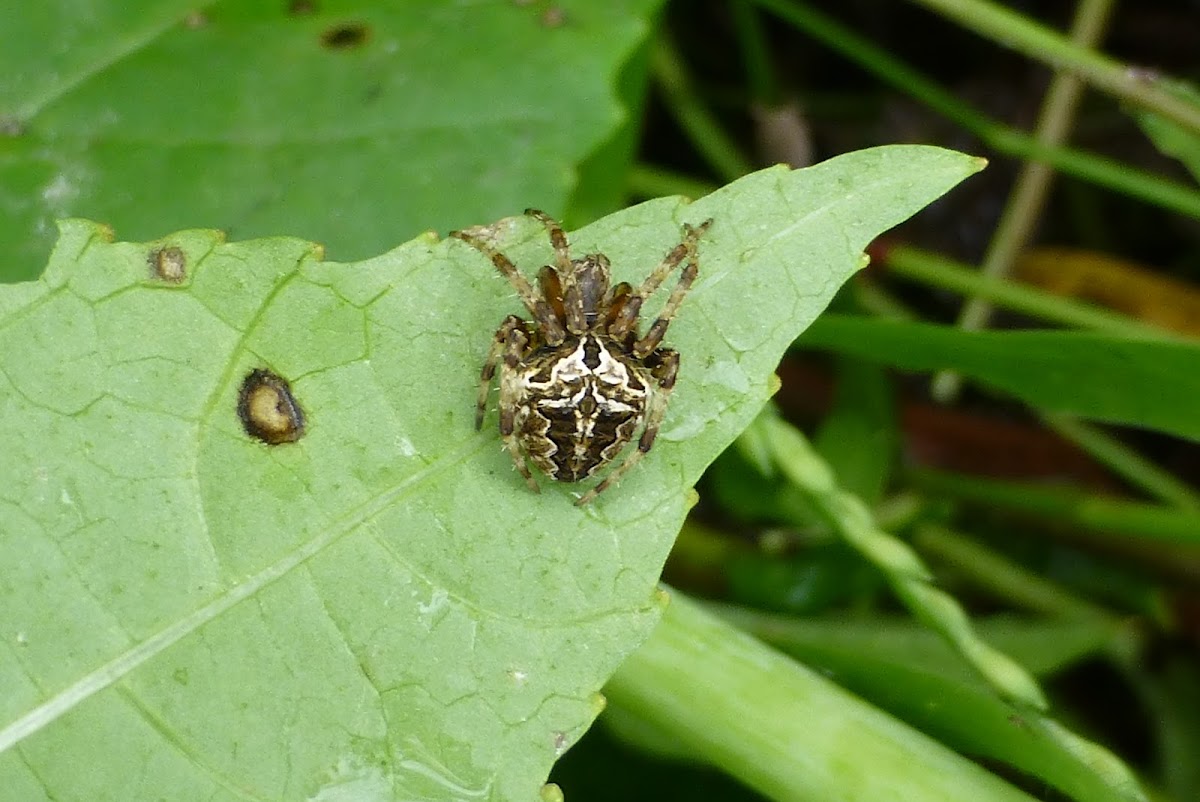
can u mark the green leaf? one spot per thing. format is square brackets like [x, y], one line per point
[381, 609]
[1171, 138]
[357, 126]
[859, 438]
[784, 730]
[1100, 376]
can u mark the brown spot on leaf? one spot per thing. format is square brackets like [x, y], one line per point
[168, 264]
[268, 410]
[345, 36]
[300, 8]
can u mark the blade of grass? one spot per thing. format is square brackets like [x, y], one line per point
[1023, 209]
[1002, 577]
[939, 271]
[936, 270]
[1005, 139]
[1016, 31]
[1128, 519]
[909, 578]
[752, 43]
[699, 124]
[1126, 462]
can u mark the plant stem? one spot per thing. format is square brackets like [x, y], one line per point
[1024, 206]
[906, 574]
[1012, 29]
[780, 728]
[697, 122]
[1005, 139]
[936, 270]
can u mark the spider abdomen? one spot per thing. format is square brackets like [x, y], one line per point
[580, 405]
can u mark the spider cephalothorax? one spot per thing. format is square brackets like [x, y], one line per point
[577, 383]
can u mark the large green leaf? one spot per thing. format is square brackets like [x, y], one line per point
[355, 123]
[1101, 376]
[382, 609]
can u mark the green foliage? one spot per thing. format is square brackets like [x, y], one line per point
[357, 125]
[382, 610]
[795, 734]
[381, 607]
[919, 679]
[1097, 376]
[1171, 138]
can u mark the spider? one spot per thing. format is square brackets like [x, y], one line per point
[577, 382]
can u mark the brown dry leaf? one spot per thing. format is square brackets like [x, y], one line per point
[1115, 283]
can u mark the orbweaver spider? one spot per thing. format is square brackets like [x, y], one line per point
[577, 382]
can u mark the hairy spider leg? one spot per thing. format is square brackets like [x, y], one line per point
[558, 240]
[626, 321]
[551, 329]
[516, 342]
[664, 367]
[498, 349]
[654, 336]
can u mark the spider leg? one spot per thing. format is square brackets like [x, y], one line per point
[648, 344]
[498, 348]
[558, 240]
[664, 367]
[549, 324]
[626, 320]
[515, 344]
